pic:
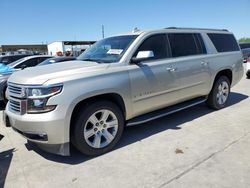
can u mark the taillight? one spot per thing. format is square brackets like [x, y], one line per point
[248, 60]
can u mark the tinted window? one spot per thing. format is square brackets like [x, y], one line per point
[224, 42]
[185, 44]
[29, 63]
[200, 44]
[47, 61]
[41, 59]
[157, 44]
[10, 59]
[14, 58]
[5, 60]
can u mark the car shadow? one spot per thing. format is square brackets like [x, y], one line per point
[137, 133]
[5, 161]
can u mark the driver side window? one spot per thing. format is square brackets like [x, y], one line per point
[157, 44]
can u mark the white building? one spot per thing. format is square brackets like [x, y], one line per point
[76, 47]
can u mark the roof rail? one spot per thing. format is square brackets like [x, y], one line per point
[196, 28]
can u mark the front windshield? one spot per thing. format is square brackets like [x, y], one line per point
[108, 50]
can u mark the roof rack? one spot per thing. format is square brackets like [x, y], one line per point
[196, 28]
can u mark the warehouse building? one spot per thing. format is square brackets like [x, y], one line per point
[39, 48]
[73, 48]
[63, 47]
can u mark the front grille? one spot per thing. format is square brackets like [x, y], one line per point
[15, 105]
[14, 89]
[17, 102]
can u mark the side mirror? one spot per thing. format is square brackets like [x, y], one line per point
[23, 67]
[142, 56]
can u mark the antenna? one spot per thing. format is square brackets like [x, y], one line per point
[102, 31]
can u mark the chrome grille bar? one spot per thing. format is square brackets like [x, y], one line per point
[17, 103]
[15, 106]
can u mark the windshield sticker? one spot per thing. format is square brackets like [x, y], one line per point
[115, 51]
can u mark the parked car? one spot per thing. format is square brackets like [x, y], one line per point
[7, 59]
[57, 60]
[7, 70]
[245, 48]
[248, 67]
[122, 81]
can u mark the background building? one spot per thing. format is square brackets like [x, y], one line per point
[38, 48]
[75, 47]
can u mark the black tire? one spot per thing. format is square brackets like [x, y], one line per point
[5, 100]
[212, 101]
[77, 135]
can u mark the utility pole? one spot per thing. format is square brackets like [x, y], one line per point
[102, 31]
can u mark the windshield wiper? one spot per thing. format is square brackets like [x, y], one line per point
[94, 60]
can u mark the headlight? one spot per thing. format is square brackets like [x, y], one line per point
[38, 97]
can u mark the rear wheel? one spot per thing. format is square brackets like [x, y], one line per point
[98, 127]
[219, 94]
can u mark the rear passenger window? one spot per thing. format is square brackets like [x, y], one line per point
[157, 44]
[200, 44]
[185, 44]
[224, 42]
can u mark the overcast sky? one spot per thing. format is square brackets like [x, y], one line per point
[45, 21]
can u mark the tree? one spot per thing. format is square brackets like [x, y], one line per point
[244, 39]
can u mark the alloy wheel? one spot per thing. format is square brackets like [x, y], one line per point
[222, 94]
[100, 129]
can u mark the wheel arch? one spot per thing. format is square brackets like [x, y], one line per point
[113, 97]
[225, 72]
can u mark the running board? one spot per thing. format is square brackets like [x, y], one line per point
[165, 111]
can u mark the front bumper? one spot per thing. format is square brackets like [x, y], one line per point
[47, 130]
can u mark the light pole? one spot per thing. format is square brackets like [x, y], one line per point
[102, 31]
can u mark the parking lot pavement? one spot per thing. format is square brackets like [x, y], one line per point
[197, 147]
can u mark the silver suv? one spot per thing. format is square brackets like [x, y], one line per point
[120, 81]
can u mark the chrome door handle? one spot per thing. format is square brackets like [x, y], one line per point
[171, 69]
[203, 63]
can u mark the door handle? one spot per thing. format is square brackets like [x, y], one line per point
[171, 69]
[204, 63]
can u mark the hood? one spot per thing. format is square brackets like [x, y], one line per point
[40, 74]
[5, 69]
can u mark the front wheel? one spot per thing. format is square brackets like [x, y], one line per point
[5, 99]
[98, 127]
[219, 94]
